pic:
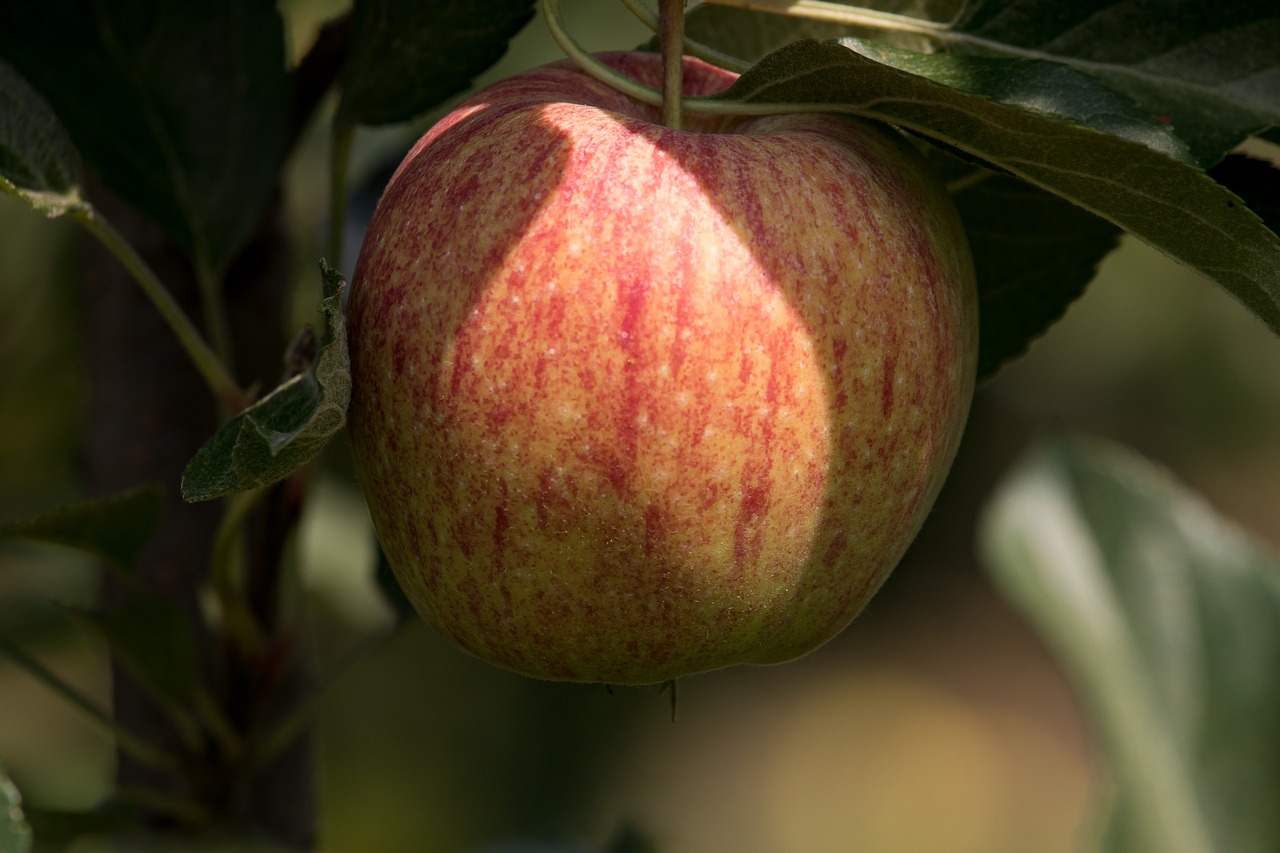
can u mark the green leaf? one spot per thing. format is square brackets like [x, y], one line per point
[182, 108]
[15, 835]
[1039, 88]
[282, 431]
[114, 528]
[407, 57]
[1168, 621]
[1034, 254]
[38, 163]
[1210, 70]
[1082, 144]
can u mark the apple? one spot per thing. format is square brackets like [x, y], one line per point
[632, 403]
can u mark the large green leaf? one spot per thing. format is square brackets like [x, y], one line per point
[38, 163]
[182, 108]
[15, 835]
[114, 528]
[1046, 125]
[1210, 70]
[282, 431]
[407, 57]
[1168, 621]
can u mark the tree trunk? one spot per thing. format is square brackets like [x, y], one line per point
[148, 413]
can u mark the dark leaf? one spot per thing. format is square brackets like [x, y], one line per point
[1210, 70]
[1040, 88]
[152, 638]
[407, 57]
[1082, 145]
[38, 163]
[182, 108]
[113, 528]
[282, 431]
[1034, 254]
[1168, 621]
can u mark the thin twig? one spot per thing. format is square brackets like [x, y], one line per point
[842, 13]
[671, 24]
[138, 750]
[344, 132]
[206, 360]
[691, 46]
[241, 625]
[213, 304]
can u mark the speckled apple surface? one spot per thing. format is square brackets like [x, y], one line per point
[631, 403]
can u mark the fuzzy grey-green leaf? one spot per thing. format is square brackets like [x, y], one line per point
[38, 162]
[1167, 618]
[282, 431]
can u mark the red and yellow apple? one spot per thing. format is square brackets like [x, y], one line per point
[633, 403]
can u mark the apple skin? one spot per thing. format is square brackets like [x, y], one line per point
[632, 403]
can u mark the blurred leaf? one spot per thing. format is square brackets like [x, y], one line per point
[629, 838]
[407, 57]
[58, 831]
[1168, 621]
[182, 108]
[38, 163]
[115, 528]
[152, 638]
[1090, 150]
[15, 835]
[278, 434]
[1211, 70]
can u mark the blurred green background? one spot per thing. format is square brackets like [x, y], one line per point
[936, 723]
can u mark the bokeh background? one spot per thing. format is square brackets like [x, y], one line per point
[937, 723]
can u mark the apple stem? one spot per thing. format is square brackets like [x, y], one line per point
[671, 33]
[647, 17]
